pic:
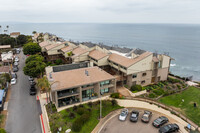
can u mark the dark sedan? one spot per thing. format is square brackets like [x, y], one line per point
[33, 90]
[134, 116]
[170, 128]
[160, 121]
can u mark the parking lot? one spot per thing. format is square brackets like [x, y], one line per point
[116, 126]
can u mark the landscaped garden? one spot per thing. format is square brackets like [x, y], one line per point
[184, 102]
[164, 88]
[82, 118]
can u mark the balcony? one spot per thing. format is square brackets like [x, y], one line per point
[106, 86]
[62, 95]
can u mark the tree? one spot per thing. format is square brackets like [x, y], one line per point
[31, 48]
[4, 78]
[34, 32]
[58, 62]
[2, 130]
[21, 40]
[34, 68]
[34, 58]
[44, 85]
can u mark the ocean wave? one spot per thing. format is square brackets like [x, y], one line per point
[172, 65]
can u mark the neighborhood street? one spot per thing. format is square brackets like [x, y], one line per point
[23, 112]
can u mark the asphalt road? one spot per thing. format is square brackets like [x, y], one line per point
[23, 112]
[116, 126]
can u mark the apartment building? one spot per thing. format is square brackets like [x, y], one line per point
[79, 85]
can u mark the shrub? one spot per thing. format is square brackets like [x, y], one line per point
[114, 102]
[72, 115]
[178, 86]
[152, 95]
[85, 117]
[58, 62]
[80, 106]
[158, 92]
[75, 108]
[81, 111]
[172, 80]
[136, 88]
[77, 125]
[114, 95]
[126, 86]
[166, 93]
[90, 104]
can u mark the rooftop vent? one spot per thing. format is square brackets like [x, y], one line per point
[86, 73]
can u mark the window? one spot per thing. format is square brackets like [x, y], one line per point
[143, 82]
[134, 76]
[107, 82]
[106, 90]
[144, 74]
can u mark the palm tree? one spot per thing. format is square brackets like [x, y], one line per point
[44, 85]
[7, 28]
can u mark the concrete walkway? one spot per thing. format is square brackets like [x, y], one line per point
[123, 91]
[141, 105]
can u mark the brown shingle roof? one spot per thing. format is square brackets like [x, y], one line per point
[77, 77]
[44, 43]
[15, 33]
[127, 62]
[4, 46]
[78, 51]
[48, 47]
[67, 48]
[96, 54]
[4, 69]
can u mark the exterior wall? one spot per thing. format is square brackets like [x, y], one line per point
[165, 61]
[101, 62]
[54, 51]
[163, 73]
[82, 57]
[96, 86]
[143, 65]
[83, 46]
[140, 78]
[117, 67]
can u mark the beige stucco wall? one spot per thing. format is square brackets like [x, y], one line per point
[163, 73]
[143, 65]
[140, 78]
[165, 60]
[82, 57]
[103, 61]
[54, 51]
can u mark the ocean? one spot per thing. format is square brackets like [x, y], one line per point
[181, 41]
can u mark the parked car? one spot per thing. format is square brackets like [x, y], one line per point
[169, 128]
[160, 121]
[134, 116]
[16, 63]
[30, 78]
[13, 75]
[146, 116]
[33, 90]
[16, 59]
[15, 69]
[32, 83]
[13, 81]
[123, 115]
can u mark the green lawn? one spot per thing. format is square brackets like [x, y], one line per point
[190, 96]
[62, 118]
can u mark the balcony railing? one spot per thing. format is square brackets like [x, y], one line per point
[67, 94]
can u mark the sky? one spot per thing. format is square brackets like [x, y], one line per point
[100, 11]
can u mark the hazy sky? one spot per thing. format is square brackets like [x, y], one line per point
[101, 11]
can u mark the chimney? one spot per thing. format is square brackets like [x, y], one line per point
[86, 73]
